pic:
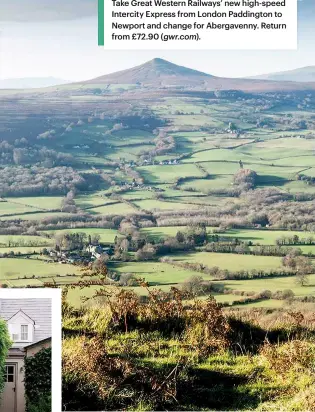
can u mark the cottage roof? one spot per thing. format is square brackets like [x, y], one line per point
[38, 310]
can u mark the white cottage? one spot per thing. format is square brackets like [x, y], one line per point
[29, 325]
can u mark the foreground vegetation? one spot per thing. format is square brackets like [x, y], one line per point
[166, 354]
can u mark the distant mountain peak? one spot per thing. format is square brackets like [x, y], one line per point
[158, 61]
[167, 67]
[154, 71]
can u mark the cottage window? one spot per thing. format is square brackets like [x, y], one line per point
[24, 332]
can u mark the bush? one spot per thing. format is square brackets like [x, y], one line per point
[43, 404]
[38, 382]
[5, 344]
[296, 353]
[194, 285]
[128, 279]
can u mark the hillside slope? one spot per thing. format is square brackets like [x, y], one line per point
[304, 74]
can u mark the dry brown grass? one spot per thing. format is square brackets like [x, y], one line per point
[288, 318]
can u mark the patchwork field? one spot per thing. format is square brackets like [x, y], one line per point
[149, 168]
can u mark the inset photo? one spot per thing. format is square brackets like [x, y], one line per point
[30, 350]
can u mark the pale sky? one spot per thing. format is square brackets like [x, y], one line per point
[48, 43]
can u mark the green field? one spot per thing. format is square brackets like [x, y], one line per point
[116, 209]
[39, 202]
[35, 216]
[156, 273]
[168, 173]
[18, 268]
[160, 205]
[8, 209]
[273, 284]
[263, 237]
[231, 261]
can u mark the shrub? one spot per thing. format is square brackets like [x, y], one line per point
[194, 285]
[5, 344]
[38, 381]
[207, 327]
[297, 354]
[43, 404]
[128, 279]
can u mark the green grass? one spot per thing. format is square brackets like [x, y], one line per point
[18, 267]
[35, 216]
[277, 148]
[116, 209]
[273, 284]
[263, 237]
[222, 155]
[155, 273]
[309, 172]
[138, 195]
[208, 200]
[75, 295]
[216, 182]
[269, 303]
[38, 202]
[8, 209]
[168, 173]
[306, 249]
[91, 200]
[153, 204]
[231, 261]
[168, 191]
[226, 298]
[299, 161]
[298, 187]
[24, 283]
[221, 168]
